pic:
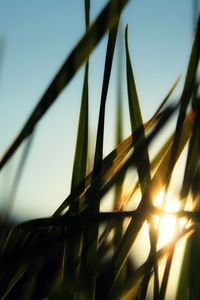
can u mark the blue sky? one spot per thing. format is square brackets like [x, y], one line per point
[38, 36]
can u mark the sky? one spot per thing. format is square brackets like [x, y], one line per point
[37, 37]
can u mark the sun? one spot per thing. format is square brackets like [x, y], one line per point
[167, 224]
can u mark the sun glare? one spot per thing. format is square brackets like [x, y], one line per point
[168, 224]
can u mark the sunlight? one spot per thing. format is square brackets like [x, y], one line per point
[167, 224]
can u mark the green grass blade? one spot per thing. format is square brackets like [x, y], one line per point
[90, 236]
[87, 14]
[106, 79]
[188, 89]
[164, 148]
[118, 134]
[105, 21]
[136, 122]
[80, 159]
[144, 173]
[118, 196]
[193, 158]
[73, 243]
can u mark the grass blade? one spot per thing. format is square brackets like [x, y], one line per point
[188, 89]
[118, 196]
[73, 242]
[90, 235]
[144, 173]
[18, 175]
[80, 159]
[136, 122]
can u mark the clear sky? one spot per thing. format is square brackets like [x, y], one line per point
[38, 37]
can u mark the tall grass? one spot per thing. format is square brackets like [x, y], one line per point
[81, 252]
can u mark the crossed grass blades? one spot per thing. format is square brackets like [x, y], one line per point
[81, 252]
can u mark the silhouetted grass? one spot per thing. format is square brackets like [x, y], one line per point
[81, 252]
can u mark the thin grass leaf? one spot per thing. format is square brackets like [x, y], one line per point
[118, 138]
[73, 243]
[144, 170]
[105, 21]
[119, 124]
[80, 160]
[191, 180]
[17, 178]
[188, 89]
[193, 159]
[87, 14]
[137, 122]
[118, 196]
[90, 235]
[165, 279]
